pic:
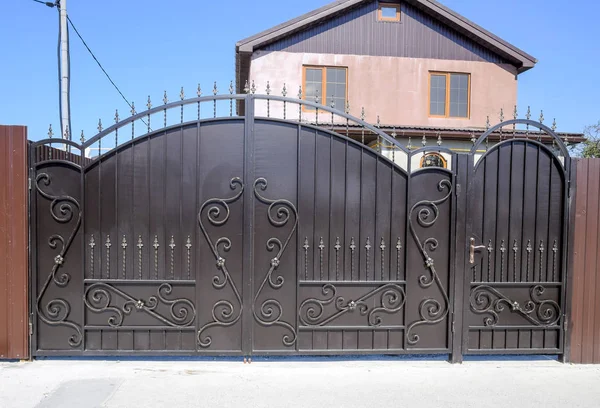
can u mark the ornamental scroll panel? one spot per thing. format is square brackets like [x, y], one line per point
[516, 217]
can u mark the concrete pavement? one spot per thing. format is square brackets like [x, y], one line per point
[297, 383]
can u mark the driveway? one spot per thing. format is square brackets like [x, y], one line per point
[298, 383]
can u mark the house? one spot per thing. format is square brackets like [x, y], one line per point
[417, 68]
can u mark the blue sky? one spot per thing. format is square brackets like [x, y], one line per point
[150, 46]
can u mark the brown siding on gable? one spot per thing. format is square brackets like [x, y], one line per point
[358, 32]
[13, 243]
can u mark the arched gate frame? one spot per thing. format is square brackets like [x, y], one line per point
[255, 235]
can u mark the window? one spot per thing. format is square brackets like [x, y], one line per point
[433, 160]
[388, 12]
[449, 95]
[326, 83]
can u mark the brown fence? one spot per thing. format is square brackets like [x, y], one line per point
[13, 243]
[585, 294]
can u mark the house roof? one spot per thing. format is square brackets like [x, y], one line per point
[517, 57]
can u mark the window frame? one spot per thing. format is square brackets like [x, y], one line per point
[448, 76]
[380, 16]
[324, 96]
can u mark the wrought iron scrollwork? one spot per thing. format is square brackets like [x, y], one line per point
[540, 312]
[223, 311]
[63, 209]
[270, 311]
[98, 299]
[312, 311]
[431, 310]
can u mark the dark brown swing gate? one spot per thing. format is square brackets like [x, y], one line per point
[251, 235]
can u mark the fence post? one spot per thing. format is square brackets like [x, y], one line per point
[458, 299]
[14, 322]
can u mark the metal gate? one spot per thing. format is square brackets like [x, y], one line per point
[251, 235]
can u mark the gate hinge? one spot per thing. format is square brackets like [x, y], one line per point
[29, 181]
[31, 324]
[565, 323]
[453, 327]
[458, 188]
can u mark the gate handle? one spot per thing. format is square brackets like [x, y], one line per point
[473, 249]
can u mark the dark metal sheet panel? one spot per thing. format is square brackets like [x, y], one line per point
[13, 243]
[358, 32]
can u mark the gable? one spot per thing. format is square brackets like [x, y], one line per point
[357, 31]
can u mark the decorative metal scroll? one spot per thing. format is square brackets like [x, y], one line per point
[223, 311]
[270, 312]
[98, 298]
[540, 312]
[63, 209]
[431, 311]
[312, 311]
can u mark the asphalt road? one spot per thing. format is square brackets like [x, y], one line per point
[288, 383]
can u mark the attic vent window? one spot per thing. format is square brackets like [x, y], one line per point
[388, 12]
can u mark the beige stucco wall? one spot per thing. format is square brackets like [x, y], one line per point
[394, 88]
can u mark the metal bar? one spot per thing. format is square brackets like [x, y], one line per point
[350, 283]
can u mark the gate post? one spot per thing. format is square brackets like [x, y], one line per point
[458, 299]
[13, 243]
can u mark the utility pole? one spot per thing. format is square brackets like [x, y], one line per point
[65, 103]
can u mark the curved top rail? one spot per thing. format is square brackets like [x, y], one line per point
[337, 112]
[239, 97]
[160, 108]
[533, 123]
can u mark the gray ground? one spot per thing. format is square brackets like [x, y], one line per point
[285, 383]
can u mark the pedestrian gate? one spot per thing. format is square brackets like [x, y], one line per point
[251, 235]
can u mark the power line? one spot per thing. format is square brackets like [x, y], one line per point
[99, 64]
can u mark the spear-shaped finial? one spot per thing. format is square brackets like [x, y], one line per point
[300, 92]
[99, 125]
[50, 132]
[268, 89]
[541, 116]
[284, 90]
[181, 94]
[165, 99]
[424, 140]
[116, 116]
[199, 91]
[409, 145]
[215, 89]
[528, 115]
[378, 124]
[473, 138]
[487, 123]
[82, 138]
[332, 104]
[362, 114]
[149, 104]
[347, 107]
[231, 89]
[67, 133]
[439, 139]
[501, 115]
[132, 108]
[247, 87]
[554, 125]
[515, 113]
[253, 88]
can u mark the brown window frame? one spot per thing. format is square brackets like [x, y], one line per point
[380, 16]
[323, 69]
[447, 113]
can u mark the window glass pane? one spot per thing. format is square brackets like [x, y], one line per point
[388, 11]
[459, 95]
[336, 84]
[314, 84]
[437, 104]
